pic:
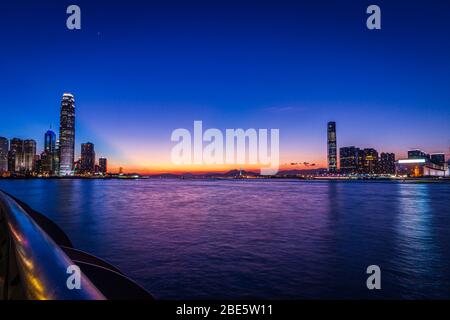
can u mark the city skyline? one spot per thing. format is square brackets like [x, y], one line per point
[137, 81]
[336, 154]
[19, 155]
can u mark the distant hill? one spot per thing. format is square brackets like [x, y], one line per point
[302, 171]
[235, 173]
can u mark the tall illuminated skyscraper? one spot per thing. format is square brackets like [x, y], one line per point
[332, 147]
[67, 135]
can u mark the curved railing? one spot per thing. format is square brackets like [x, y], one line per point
[34, 266]
[41, 265]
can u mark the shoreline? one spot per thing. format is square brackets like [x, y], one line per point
[189, 177]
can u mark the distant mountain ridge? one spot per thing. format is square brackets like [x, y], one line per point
[236, 173]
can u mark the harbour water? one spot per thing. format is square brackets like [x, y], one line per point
[268, 239]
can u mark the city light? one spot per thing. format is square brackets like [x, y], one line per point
[409, 161]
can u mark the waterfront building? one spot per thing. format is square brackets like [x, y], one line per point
[16, 160]
[87, 157]
[370, 161]
[421, 168]
[29, 147]
[103, 165]
[387, 163]
[418, 154]
[332, 147]
[4, 148]
[67, 135]
[438, 158]
[349, 160]
[420, 164]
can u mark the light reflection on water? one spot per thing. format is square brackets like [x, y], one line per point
[419, 257]
[257, 239]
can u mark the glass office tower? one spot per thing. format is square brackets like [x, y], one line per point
[67, 135]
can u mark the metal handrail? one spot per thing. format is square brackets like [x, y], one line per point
[41, 263]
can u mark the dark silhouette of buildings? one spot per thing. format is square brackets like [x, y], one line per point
[103, 165]
[354, 160]
[87, 162]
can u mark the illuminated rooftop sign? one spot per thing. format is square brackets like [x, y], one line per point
[406, 161]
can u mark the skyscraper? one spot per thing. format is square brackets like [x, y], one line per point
[103, 164]
[45, 163]
[4, 148]
[387, 163]
[67, 135]
[50, 141]
[332, 147]
[56, 158]
[87, 157]
[29, 147]
[16, 156]
[48, 161]
[349, 159]
[370, 161]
